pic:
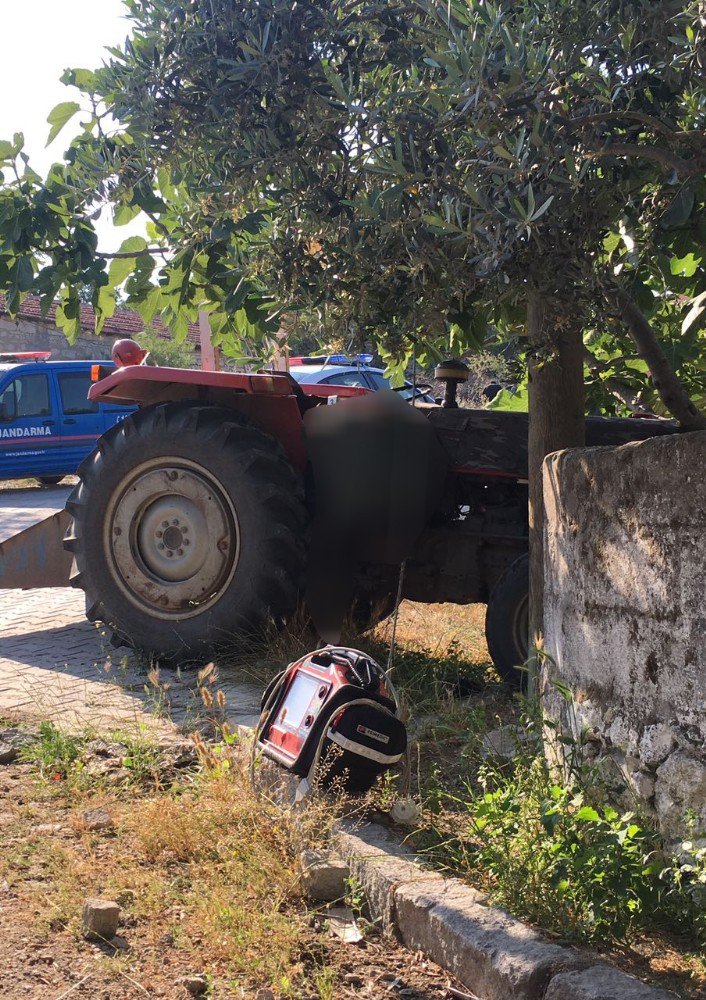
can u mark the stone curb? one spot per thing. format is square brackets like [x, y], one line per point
[491, 952]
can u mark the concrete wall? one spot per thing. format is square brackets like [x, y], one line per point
[32, 335]
[625, 615]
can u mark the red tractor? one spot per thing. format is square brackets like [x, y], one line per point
[192, 518]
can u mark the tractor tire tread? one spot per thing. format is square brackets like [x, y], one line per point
[504, 605]
[250, 455]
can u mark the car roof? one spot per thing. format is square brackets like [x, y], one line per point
[324, 371]
[7, 366]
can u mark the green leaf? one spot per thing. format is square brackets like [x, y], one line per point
[531, 203]
[165, 185]
[517, 402]
[440, 223]
[60, 116]
[542, 209]
[122, 267]
[85, 79]
[502, 152]
[71, 325]
[680, 209]
[611, 242]
[106, 306]
[698, 306]
[151, 305]
[122, 214]
[133, 244]
[25, 274]
[684, 266]
[587, 814]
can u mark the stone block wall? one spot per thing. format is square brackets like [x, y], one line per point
[625, 616]
[33, 335]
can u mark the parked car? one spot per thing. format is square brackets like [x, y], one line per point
[340, 370]
[47, 424]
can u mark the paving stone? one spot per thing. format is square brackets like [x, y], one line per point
[52, 665]
[600, 982]
[495, 955]
[506, 741]
[324, 876]
[378, 865]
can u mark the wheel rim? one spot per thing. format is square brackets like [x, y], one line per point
[520, 629]
[172, 538]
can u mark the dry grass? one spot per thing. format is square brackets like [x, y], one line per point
[203, 866]
[207, 878]
[438, 627]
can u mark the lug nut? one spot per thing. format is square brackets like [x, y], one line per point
[159, 534]
[165, 524]
[161, 546]
[170, 553]
[175, 521]
[187, 542]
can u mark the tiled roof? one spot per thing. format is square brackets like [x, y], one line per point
[124, 323]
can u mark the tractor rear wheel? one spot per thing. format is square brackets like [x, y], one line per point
[507, 621]
[189, 527]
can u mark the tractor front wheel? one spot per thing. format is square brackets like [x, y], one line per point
[189, 527]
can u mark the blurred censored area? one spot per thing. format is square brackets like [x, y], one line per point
[378, 474]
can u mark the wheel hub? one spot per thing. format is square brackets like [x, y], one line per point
[174, 539]
[164, 538]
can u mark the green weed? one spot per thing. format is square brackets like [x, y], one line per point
[325, 982]
[557, 853]
[55, 752]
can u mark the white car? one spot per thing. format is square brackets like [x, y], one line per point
[339, 370]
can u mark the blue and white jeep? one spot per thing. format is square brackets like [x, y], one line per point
[47, 424]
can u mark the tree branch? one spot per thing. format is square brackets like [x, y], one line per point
[136, 253]
[668, 385]
[683, 168]
[640, 118]
[614, 386]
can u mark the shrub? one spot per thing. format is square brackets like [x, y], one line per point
[558, 855]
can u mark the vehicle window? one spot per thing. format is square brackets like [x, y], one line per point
[420, 393]
[379, 381]
[73, 387]
[347, 378]
[25, 396]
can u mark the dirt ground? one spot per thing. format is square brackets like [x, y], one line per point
[49, 861]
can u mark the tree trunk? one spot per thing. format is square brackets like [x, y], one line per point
[556, 420]
[670, 389]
